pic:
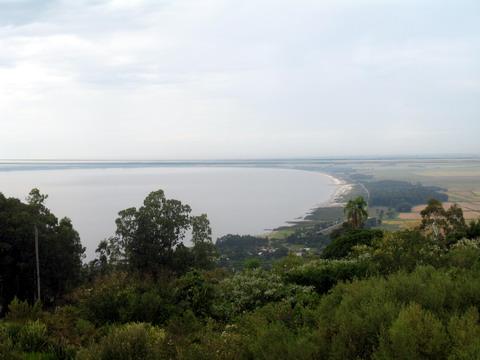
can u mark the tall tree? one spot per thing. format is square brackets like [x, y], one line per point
[447, 226]
[203, 251]
[457, 227]
[151, 238]
[60, 250]
[356, 212]
[434, 217]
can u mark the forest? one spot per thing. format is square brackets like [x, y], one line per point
[370, 294]
[402, 195]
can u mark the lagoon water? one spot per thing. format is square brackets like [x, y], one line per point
[237, 200]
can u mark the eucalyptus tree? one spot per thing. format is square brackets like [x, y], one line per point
[60, 250]
[150, 238]
[447, 226]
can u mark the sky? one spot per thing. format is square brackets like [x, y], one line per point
[221, 79]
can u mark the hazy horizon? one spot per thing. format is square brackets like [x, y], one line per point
[424, 156]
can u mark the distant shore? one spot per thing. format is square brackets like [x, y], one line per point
[338, 197]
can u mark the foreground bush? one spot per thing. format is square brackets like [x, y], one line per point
[356, 318]
[251, 289]
[122, 298]
[324, 274]
[341, 246]
[22, 311]
[7, 350]
[127, 342]
[32, 337]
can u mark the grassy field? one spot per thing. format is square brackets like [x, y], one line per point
[461, 178]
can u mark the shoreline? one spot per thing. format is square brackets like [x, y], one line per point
[342, 190]
[336, 200]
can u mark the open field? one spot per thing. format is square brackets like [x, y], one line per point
[471, 211]
[460, 177]
[399, 224]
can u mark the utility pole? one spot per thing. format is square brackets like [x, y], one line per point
[38, 263]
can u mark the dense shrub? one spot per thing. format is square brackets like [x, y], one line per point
[119, 297]
[22, 311]
[193, 292]
[354, 318]
[67, 330]
[127, 342]
[324, 274]
[7, 350]
[252, 289]
[32, 337]
[275, 331]
[465, 254]
[341, 246]
[473, 230]
[415, 334]
[403, 250]
[464, 331]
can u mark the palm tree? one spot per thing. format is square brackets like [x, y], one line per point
[356, 211]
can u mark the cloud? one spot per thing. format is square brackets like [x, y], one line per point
[18, 12]
[222, 78]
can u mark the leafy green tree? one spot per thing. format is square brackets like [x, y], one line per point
[324, 274]
[150, 239]
[446, 226]
[201, 230]
[456, 225]
[400, 250]
[356, 212]
[194, 293]
[434, 218]
[341, 246]
[473, 230]
[204, 252]
[149, 235]
[60, 251]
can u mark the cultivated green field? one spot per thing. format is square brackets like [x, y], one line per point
[460, 178]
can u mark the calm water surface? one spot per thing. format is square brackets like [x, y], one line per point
[237, 200]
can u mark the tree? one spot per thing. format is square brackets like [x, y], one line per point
[356, 212]
[201, 230]
[150, 239]
[203, 251]
[473, 230]
[149, 235]
[341, 246]
[110, 257]
[434, 218]
[456, 225]
[447, 226]
[60, 250]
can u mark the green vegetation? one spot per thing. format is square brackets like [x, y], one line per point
[402, 195]
[344, 241]
[149, 240]
[369, 294]
[356, 212]
[60, 254]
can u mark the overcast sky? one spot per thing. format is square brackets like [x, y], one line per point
[198, 79]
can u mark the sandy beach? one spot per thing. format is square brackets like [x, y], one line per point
[343, 189]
